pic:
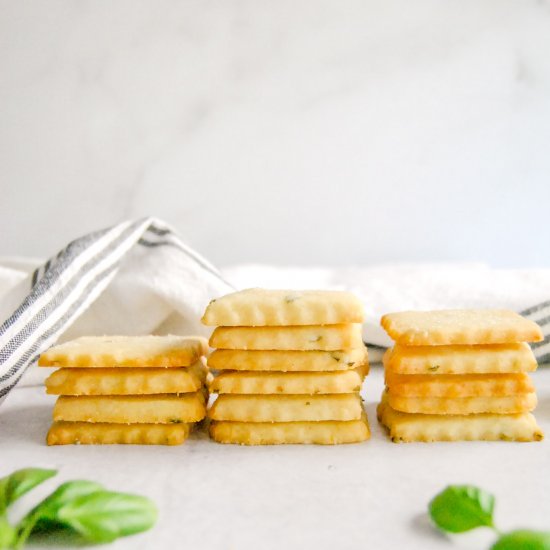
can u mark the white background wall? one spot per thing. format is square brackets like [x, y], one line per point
[285, 131]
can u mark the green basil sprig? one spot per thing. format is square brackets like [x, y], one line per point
[461, 508]
[83, 507]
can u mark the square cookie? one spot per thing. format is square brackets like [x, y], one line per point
[458, 385]
[286, 408]
[126, 351]
[460, 326]
[128, 409]
[89, 433]
[509, 404]
[279, 433]
[255, 382]
[480, 359]
[324, 338]
[262, 307]
[127, 381]
[288, 360]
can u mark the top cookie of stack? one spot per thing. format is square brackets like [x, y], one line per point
[291, 365]
[459, 374]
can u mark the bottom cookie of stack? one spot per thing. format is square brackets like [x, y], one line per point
[102, 433]
[410, 427]
[324, 432]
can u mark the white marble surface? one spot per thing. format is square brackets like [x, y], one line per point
[291, 132]
[369, 495]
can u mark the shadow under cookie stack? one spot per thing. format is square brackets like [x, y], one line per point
[459, 375]
[290, 365]
[126, 389]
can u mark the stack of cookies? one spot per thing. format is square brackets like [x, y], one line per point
[126, 389]
[290, 367]
[459, 375]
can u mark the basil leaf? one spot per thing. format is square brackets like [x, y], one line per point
[46, 512]
[65, 493]
[20, 482]
[523, 540]
[460, 508]
[104, 516]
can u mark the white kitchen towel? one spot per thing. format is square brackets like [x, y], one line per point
[139, 276]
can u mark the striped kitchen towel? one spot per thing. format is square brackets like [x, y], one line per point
[139, 276]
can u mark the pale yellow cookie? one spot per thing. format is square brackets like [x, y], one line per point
[329, 337]
[126, 409]
[458, 385]
[286, 408]
[278, 433]
[508, 404]
[261, 307]
[287, 361]
[460, 326]
[406, 428]
[127, 381]
[126, 351]
[503, 358]
[89, 433]
[254, 382]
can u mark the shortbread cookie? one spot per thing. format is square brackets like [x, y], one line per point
[277, 433]
[127, 381]
[261, 307]
[126, 409]
[330, 337]
[126, 351]
[254, 382]
[505, 358]
[287, 361]
[509, 404]
[458, 385]
[460, 326]
[89, 433]
[286, 408]
[407, 428]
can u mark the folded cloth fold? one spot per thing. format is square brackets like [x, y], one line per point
[136, 277]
